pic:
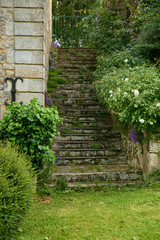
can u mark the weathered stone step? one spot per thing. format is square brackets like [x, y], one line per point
[75, 86]
[87, 130]
[75, 65]
[78, 50]
[81, 112]
[86, 77]
[77, 60]
[93, 107]
[93, 118]
[103, 160]
[74, 91]
[90, 168]
[88, 152]
[87, 137]
[70, 101]
[102, 176]
[111, 143]
[86, 124]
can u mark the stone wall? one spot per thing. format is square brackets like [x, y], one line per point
[25, 39]
[145, 157]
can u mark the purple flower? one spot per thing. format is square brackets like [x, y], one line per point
[133, 135]
[61, 162]
[55, 44]
[48, 100]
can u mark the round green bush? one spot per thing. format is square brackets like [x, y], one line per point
[17, 189]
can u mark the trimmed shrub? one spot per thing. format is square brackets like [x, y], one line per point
[16, 190]
[32, 128]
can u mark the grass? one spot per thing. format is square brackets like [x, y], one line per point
[127, 214]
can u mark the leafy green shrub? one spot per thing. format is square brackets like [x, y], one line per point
[153, 177]
[133, 96]
[105, 30]
[16, 190]
[148, 43]
[32, 128]
[118, 59]
[52, 84]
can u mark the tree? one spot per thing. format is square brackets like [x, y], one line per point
[72, 7]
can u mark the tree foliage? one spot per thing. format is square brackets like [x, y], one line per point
[70, 7]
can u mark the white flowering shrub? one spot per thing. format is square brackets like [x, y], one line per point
[133, 95]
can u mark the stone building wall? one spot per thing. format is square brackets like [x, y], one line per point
[145, 157]
[25, 39]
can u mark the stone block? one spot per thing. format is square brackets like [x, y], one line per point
[154, 161]
[29, 43]
[8, 66]
[154, 147]
[36, 85]
[7, 3]
[2, 56]
[9, 29]
[29, 3]
[30, 85]
[29, 15]
[29, 57]
[7, 42]
[10, 56]
[27, 97]
[28, 71]
[30, 29]
[10, 73]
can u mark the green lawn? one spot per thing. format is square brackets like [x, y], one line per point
[111, 215]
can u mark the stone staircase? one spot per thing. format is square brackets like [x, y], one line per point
[89, 149]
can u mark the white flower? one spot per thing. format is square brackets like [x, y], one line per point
[119, 89]
[110, 91]
[136, 93]
[125, 93]
[158, 105]
[126, 79]
[111, 95]
[141, 120]
[135, 105]
[126, 60]
[151, 123]
[132, 90]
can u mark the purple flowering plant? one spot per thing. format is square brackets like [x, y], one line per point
[134, 135]
[48, 100]
[61, 162]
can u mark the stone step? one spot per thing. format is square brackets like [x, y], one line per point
[87, 137]
[87, 130]
[86, 124]
[111, 143]
[92, 117]
[98, 176]
[75, 86]
[75, 65]
[81, 112]
[103, 160]
[81, 101]
[76, 60]
[93, 107]
[88, 152]
[86, 77]
[87, 51]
